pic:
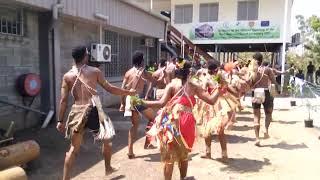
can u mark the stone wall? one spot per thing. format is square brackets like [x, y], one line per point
[18, 55]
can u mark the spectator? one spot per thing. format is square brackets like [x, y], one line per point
[310, 71]
[300, 74]
[292, 70]
[318, 76]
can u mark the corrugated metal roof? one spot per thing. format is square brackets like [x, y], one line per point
[122, 15]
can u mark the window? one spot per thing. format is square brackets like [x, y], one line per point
[122, 48]
[208, 12]
[248, 10]
[183, 14]
[11, 21]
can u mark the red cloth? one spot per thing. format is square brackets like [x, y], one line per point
[187, 128]
[187, 121]
[184, 100]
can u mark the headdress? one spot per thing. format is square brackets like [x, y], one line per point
[180, 65]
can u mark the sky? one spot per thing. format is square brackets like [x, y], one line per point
[305, 8]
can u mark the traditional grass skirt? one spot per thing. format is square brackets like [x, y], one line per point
[176, 135]
[217, 117]
[79, 119]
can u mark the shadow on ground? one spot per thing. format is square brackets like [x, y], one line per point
[190, 178]
[282, 109]
[245, 112]
[286, 146]
[118, 177]
[246, 119]
[243, 165]
[155, 157]
[285, 122]
[238, 139]
[241, 128]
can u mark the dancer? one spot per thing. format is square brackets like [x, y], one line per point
[175, 125]
[217, 117]
[137, 78]
[86, 111]
[202, 77]
[159, 74]
[171, 67]
[261, 95]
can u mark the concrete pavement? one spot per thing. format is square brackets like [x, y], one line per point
[291, 153]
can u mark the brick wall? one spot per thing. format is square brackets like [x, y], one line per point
[18, 55]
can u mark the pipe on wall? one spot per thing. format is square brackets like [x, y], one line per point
[56, 52]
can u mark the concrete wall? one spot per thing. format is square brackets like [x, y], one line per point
[18, 55]
[74, 33]
[271, 10]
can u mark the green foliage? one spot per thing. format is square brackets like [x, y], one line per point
[135, 100]
[217, 78]
[314, 23]
[300, 62]
[310, 33]
[293, 90]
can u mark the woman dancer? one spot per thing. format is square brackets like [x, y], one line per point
[218, 116]
[175, 125]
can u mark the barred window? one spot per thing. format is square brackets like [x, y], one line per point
[112, 68]
[248, 10]
[11, 21]
[122, 48]
[183, 14]
[208, 12]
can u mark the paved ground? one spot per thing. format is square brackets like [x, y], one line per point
[291, 153]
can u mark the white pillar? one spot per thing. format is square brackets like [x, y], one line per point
[57, 63]
[284, 39]
[216, 52]
[151, 5]
[100, 34]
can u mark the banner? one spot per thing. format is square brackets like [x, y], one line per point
[234, 30]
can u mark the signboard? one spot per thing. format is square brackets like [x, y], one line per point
[234, 30]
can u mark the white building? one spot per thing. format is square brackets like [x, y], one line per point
[230, 25]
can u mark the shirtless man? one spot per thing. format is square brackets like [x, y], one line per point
[264, 75]
[202, 72]
[82, 89]
[137, 78]
[171, 67]
[158, 75]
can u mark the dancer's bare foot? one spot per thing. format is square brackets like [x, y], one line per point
[266, 135]
[131, 156]
[224, 156]
[121, 109]
[257, 143]
[206, 156]
[110, 170]
[150, 146]
[224, 159]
